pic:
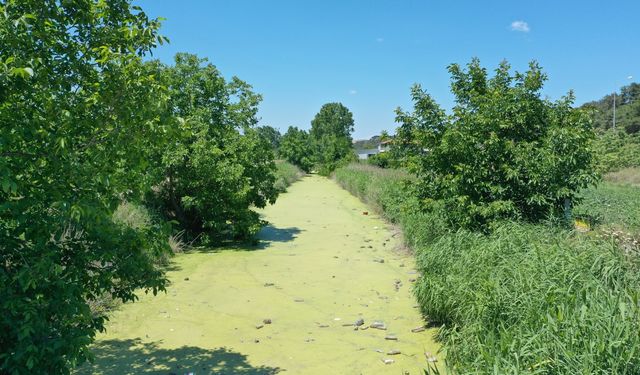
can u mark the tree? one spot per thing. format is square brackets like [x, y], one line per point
[503, 153]
[296, 148]
[272, 135]
[218, 166]
[76, 110]
[331, 136]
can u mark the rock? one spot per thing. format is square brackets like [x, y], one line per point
[186, 279]
[378, 325]
[266, 321]
[256, 340]
[387, 361]
[393, 352]
[412, 280]
[323, 325]
[364, 328]
[348, 325]
[391, 338]
[259, 326]
[379, 351]
[365, 212]
[418, 329]
[371, 247]
[359, 322]
[298, 300]
[379, 260]
[268, 284]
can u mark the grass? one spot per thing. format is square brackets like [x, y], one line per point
[526, 299]
[611, 207]
[625, 176]
[286, 174]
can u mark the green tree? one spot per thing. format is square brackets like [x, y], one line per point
[272, 135]
[296, 148]
[331, 136]
[217, 166]
[76, 111]
[503, 153]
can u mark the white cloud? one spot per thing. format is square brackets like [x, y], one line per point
[520, 26]
[353, 92]
[380, 40]
[630, 77]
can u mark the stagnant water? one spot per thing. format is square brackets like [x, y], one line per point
[322, 264]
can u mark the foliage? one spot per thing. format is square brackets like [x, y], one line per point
[627, 110]
[76, 112]
[286, 174]
[382, 160]
[295, 147]
[217, 167]
[330, 136]
[617, 150]
[272, 135]
[524, 299]
[504, 152]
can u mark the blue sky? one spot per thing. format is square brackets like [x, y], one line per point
[367, 54]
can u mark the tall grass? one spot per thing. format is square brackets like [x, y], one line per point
[611, 206]
[526, 299]
[286, 174]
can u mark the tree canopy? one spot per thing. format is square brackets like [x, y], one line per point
[504, 152]
[330, 135]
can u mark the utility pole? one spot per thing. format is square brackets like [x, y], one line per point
[614, 109]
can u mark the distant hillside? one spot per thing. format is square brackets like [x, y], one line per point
[366, 144]
[627, 110]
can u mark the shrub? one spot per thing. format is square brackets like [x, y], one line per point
[217, 167]
[504, 152]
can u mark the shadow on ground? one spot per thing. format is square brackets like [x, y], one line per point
[137, 357]
[270, 234]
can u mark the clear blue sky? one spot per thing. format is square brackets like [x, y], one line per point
[367, 54]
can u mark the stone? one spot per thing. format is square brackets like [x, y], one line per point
[387, 361]
[266, 321]
[393, 352]
[186, 279]
[418, 329]
[268, 284]
[259, 326]
[391, 338]
[378, 325]
[359, 322]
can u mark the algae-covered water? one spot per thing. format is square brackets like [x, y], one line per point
[319, 267]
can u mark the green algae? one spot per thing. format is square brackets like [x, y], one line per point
[318, 267]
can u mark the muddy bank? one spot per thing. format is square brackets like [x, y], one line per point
[324, 293]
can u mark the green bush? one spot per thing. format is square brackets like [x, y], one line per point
[217, 166]
[504, 152]
[525, 299]
[617, 150]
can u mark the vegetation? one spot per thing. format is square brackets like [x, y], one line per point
[330, 136]
[295, 147]
[217, 166]
[523, 299]
[617, 150]
[627, 104]
[272, 135]
[504, 152]
[86, 125]
[286, 174]
[612, 206]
